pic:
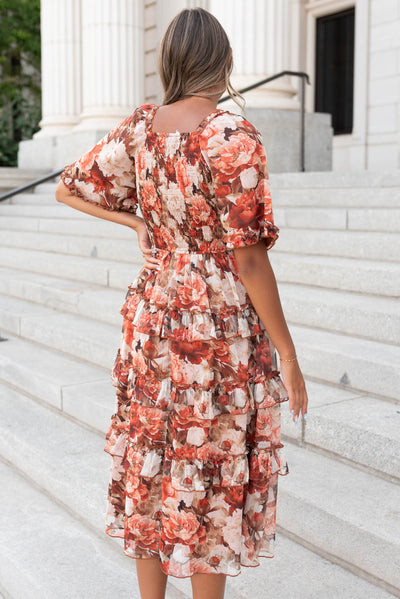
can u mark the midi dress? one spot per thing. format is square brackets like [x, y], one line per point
[195, 435]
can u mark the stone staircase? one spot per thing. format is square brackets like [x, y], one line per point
[63, 279]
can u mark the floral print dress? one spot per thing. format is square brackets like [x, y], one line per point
[195, 437]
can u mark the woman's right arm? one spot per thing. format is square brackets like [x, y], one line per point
[256, 274]
[234, 152]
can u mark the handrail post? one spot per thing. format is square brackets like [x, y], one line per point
[302, 126]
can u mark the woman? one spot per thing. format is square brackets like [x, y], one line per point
[195, 439]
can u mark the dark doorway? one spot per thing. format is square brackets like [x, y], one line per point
[334, 70]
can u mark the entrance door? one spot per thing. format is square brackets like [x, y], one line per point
[335, 68]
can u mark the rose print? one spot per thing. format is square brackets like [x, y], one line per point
[195, 435]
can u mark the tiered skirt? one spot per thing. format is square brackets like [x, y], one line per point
[195, 437]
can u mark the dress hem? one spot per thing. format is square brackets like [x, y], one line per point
[190, 575]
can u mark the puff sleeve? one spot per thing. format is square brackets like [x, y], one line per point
[105, 175]
[233, 149]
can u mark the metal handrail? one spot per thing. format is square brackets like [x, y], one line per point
[303, 76]
[17, 190]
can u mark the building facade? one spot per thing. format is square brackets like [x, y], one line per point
[100, 62]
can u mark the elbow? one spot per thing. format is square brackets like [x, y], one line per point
[251, 259]
[60, 192]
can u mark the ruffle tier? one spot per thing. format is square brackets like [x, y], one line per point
[195, 296]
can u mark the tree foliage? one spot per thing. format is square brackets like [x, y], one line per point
[20, 89]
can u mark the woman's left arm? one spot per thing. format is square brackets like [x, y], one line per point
[121, 217]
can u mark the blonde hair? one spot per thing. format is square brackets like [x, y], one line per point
[195, 56]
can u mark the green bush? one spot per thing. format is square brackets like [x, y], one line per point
[20, 87]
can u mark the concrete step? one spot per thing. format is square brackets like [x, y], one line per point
[346, 244]
[363, 180]
[356, 314]
[373, 277]
[358, 364]
[69, 464]
[63, 294]
[77, 389]
[376, 318]
[55, 556]
[365, 219]
[343, 512]
[58, 210]
[89, 340]
[46, 188]
[359, 429]
[94, 227]
[341, 421]
[73, 245]
[12, 177]
[31, 198]
[333, 197]
[90, 270]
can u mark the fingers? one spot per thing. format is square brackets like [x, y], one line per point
[151, 261]
[298, 402]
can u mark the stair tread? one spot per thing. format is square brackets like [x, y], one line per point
[350, 346]
[53, 542]
[108, 249]
[339, 261]
[78, 389]
[94, 270]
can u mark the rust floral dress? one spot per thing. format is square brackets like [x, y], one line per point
[195, 437]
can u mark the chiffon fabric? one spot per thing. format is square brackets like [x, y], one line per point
[195, 437]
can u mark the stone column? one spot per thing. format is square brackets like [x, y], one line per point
[61, 78]
[261, 33]
[112, 62]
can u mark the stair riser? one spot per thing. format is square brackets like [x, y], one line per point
[372, 219]
[31, 198]
[336, 181]
[339, 538]
[57, 211]
[106, 249]
[346, 244]
[95, 228]
[363, 374]
[73, 302]
[359, 446]
[350, 320]
[99, 354]
[375, 280]
[327, 197]
[98, 273]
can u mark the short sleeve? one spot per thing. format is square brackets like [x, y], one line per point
[233, 149]
[105, 175]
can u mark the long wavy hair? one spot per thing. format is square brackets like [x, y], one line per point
[195, 56]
